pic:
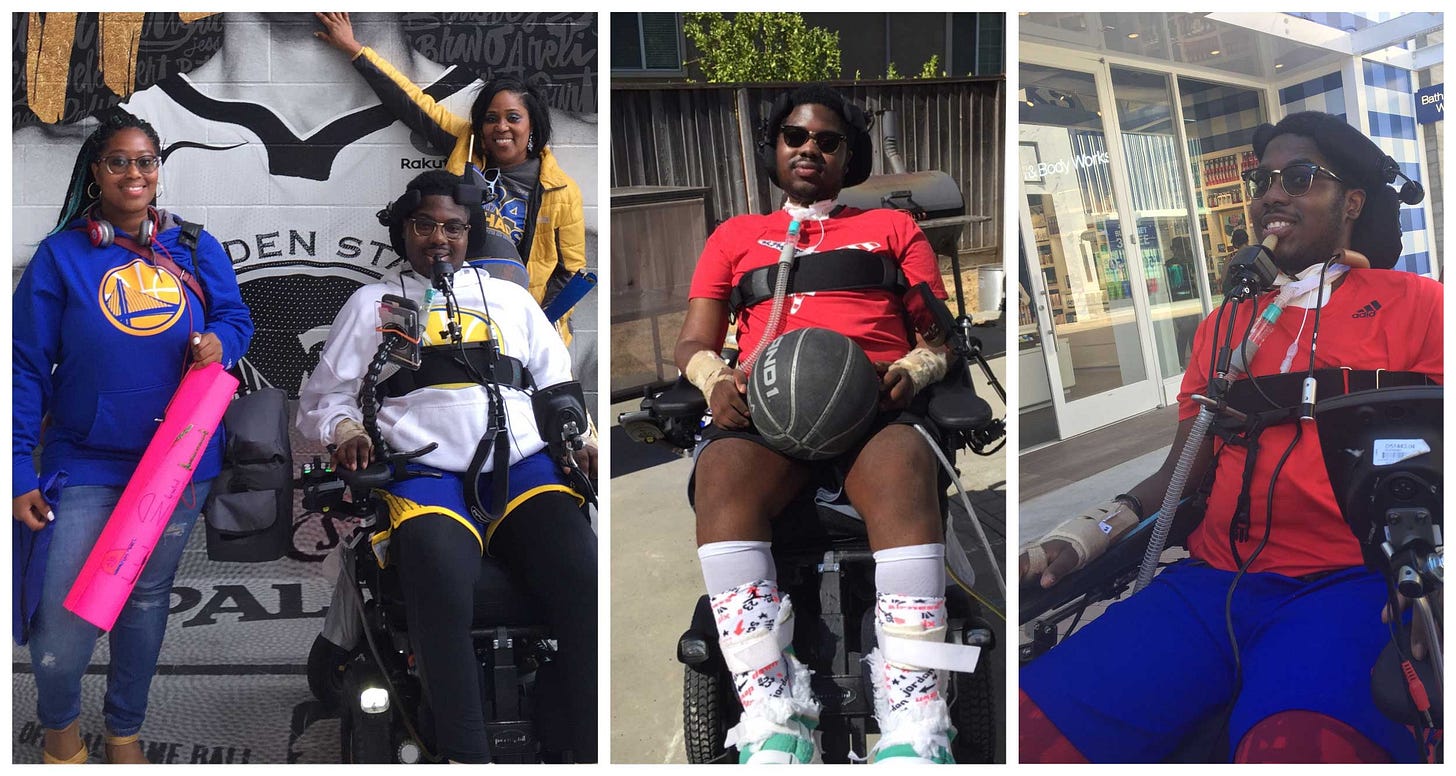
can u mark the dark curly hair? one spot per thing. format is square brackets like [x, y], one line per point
[856, 127]
[1360, 164]
[78, 196]
[535, 108]
[433, 183]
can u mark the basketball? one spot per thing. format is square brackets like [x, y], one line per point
[813, 394]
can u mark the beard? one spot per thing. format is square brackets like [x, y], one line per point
[1321, 246]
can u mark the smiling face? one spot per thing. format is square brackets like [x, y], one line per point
[423, 250]
[505, 130]
[125, 196]
[1310, 227]
[806, 173]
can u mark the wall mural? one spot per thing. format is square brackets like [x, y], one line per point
[273, 141]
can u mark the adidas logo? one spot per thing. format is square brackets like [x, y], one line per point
[1368, 311]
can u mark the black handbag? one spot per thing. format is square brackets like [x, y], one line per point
[249, 512]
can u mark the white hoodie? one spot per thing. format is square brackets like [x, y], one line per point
[454, 417]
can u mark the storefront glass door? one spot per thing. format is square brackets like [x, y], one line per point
[1219, 120]
[1092, 341]
[1160, 208]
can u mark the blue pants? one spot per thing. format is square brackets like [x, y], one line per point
[1133, 683]
[61, 644]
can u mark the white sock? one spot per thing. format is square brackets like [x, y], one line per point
[917, 570]
[727, 565]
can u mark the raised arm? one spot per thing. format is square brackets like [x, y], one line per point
[448, 133]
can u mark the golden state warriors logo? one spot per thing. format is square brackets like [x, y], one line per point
[141, 299]
[474, 327]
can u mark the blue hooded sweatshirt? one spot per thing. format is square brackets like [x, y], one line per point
[100, 345]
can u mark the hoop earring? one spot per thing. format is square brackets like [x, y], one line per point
[530, 142]
[94, 194]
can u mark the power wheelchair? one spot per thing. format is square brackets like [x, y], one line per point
[825, 565]
[375, 683]
[1394, 510]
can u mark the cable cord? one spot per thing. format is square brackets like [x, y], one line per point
[1268, 521]
[966, 502]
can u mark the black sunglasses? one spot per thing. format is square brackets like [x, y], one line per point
[1296, 179]
[794, 137]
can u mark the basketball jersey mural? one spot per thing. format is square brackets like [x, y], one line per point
[276, 144]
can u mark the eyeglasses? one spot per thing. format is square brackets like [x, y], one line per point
[1296, 179]
[794, 137]
[116, 165]
[425, 227]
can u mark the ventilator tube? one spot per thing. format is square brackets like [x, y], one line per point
[781, 289]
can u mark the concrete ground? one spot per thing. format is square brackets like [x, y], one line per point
[656, 582]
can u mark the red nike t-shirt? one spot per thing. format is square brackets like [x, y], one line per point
[1375, 319]
[873, 318]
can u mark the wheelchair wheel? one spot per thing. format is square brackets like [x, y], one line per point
[973, 714]
[363, 737]
[326, 664]
[710, 707]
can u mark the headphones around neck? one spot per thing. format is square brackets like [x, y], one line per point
[103, 234]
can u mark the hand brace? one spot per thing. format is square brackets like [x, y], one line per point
[705, 370]
[348, 428]
[1089, 534]
[923, 365]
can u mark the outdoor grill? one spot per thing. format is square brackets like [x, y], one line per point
[931, 197]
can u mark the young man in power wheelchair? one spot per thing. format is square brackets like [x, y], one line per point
[418, 403]
[815, 143]
[1260, 646]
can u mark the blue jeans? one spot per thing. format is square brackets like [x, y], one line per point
[61, 644]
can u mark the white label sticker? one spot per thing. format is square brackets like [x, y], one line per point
[1389, 451]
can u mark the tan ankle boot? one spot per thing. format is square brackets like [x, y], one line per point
[64, 746]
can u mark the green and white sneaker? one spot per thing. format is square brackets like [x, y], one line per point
[915, 743]
[763, 741]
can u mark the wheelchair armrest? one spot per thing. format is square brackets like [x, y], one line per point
[681, 400]
[954, 405]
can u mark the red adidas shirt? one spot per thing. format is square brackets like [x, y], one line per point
[873, 318]
[1375, 319]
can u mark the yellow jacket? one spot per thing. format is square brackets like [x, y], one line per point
[558, 245]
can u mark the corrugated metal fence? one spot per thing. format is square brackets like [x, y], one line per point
[701, 135]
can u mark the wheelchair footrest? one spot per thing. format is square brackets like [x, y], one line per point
[842, 695]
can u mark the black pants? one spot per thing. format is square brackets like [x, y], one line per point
[551, 551]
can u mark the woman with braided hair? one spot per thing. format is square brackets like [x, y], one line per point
[118, 301]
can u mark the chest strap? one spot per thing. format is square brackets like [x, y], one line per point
[446, 365]
[1285, 392]
[1279, 403]
[845, 269]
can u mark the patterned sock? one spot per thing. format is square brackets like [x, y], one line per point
[744, 610]
[906, 688]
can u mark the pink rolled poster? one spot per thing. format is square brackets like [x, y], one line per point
[166, 468]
